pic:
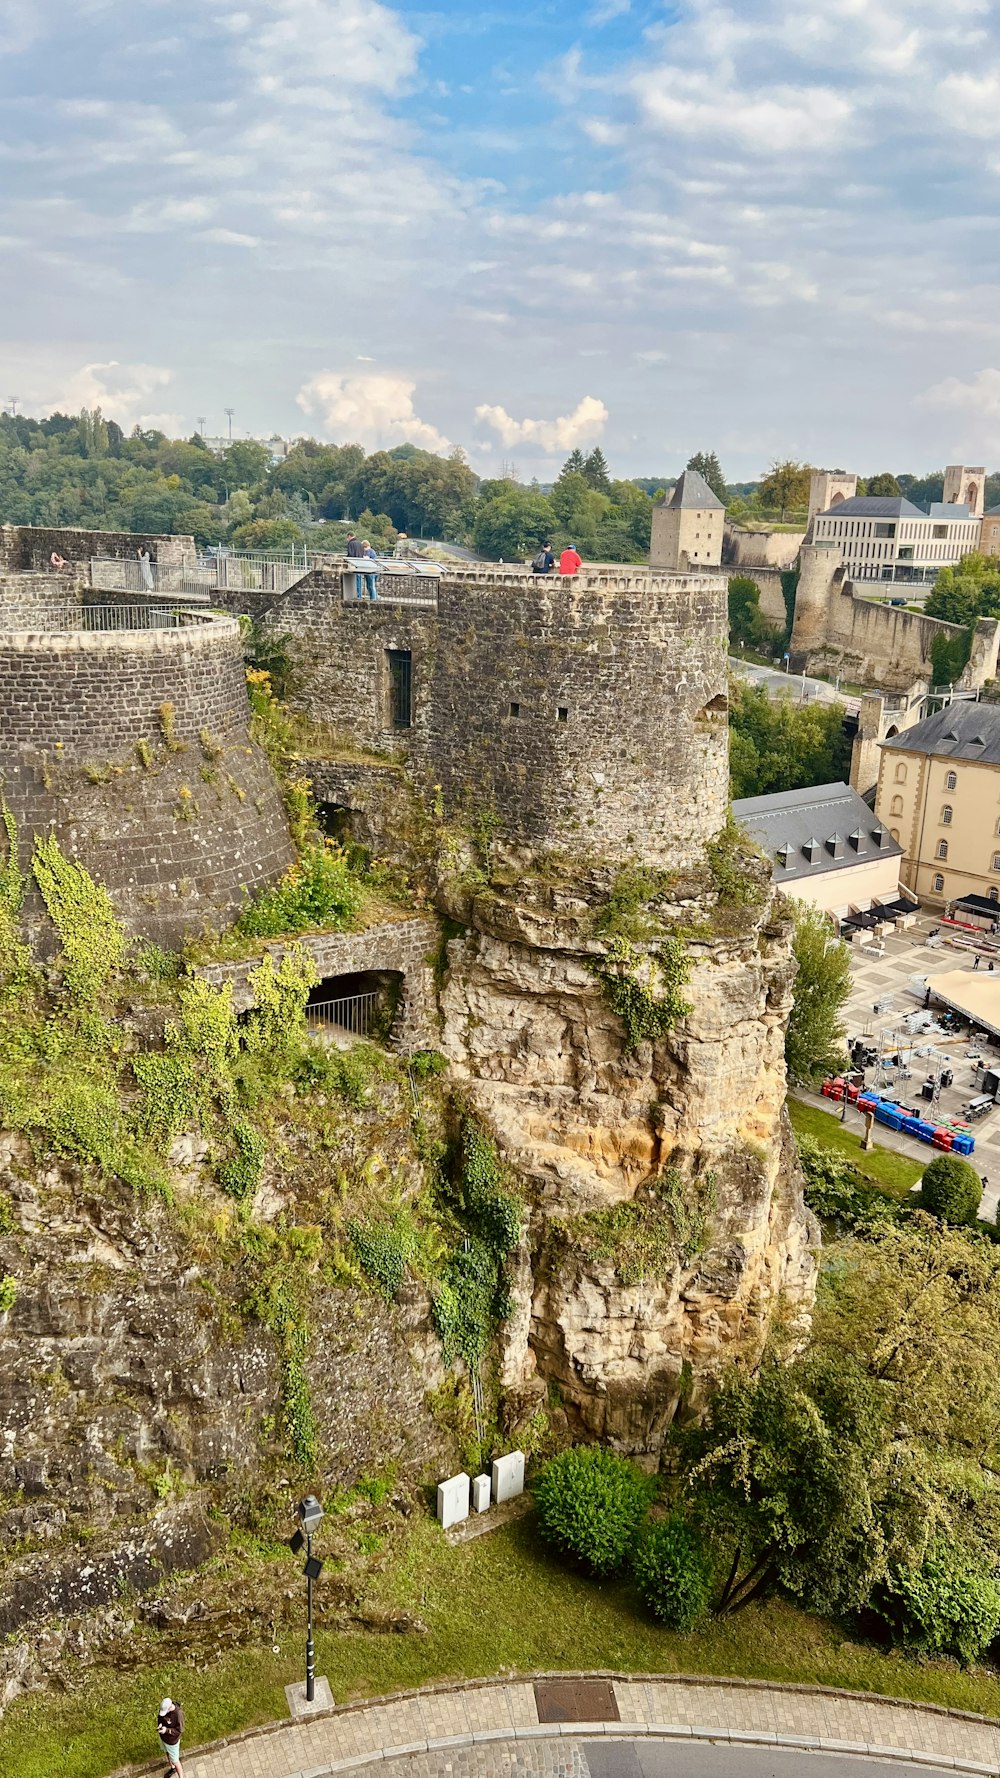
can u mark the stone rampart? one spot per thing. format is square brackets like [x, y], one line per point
[400, 947]
[26, 547]
[587, 715]
[874, 643]
[134, 748]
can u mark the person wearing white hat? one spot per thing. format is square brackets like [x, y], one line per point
[170, 1727]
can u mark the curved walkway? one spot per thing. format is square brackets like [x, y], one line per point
[423, 1733]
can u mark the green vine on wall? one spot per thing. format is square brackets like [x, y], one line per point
[93, 943]
[473, 1296]
[644, 988]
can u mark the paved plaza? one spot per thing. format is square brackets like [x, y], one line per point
[885, 982]
[651, 1727]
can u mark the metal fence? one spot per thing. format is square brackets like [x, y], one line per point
[236, 571]
[104, 618]
[393, 585]
[354, 1014]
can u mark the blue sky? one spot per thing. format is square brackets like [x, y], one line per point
[763, 229]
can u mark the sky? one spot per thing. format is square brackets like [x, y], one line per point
[768, 230]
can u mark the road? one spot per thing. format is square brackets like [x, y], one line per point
[570, 1758]
[788, 685]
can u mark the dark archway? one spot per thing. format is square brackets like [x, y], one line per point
[362, 1003]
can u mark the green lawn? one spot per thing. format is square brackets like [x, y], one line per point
[498, 1603]
[896, 1172]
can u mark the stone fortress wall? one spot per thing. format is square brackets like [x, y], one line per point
[133, 747]
[586, 714]
[876, 644]
[27, 547]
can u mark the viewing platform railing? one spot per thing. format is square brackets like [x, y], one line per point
[103, 618]
[354, 1014]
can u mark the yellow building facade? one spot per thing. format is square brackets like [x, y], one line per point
[939, 796]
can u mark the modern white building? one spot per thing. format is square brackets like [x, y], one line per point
[890, 539]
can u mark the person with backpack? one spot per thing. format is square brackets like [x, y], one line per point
[545, 561]
[570, 562]
[170, 1727]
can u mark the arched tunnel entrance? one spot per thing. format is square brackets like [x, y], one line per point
[363, 1003]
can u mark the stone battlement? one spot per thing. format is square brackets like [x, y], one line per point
[586, 713]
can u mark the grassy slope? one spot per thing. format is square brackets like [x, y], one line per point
[499, 1602]
[897, 1172]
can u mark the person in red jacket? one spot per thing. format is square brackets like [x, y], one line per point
[570, 561]
[170, 1727]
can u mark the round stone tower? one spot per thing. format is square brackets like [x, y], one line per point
[132, 745]
[818, 566]
[588, 714]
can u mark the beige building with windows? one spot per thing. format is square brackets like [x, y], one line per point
[687, 527]
[890, 539]
[939, 795]
[989, 539]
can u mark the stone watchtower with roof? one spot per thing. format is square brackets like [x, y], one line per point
[687, 527]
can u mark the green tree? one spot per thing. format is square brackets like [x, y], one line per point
[950, 1188]
[969, 590]
[746, 622]
[595, 471]
[513, 525]
[707, 464]
[244, 464]
[779, 745]
[814, 1040]
[787, 1470]
[785, 485]
[270, 534]
[882, 486]
[575, 463]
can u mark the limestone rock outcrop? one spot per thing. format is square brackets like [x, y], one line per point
[588, 1124]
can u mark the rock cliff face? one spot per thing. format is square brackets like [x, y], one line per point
[628, 1322]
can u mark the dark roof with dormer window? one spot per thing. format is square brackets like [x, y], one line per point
[803, 831]
[963, 730]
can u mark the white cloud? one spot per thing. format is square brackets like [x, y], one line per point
[980, 396]
[374, 409]
[121, 391]
[780, 120]
[606, 10]
[228, 237]
[582, 426]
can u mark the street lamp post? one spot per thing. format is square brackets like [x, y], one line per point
[309, 1514]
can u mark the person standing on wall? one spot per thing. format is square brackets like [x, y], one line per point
[170, 1727]
[354, 548]
[368, 553]
[570, 562]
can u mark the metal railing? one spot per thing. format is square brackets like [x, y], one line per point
[103, 618]
[396, 583]
[235, 571]
[354, 1014]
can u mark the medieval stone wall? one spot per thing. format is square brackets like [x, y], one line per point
[402, 947]
[585, 714]
[26, 547]
[877, 644]
[134, 748]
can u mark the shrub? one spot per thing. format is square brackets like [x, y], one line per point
[947, 1606]
[318, 891]
[673, 1573]
[591, 1503]
[239, 1174]
[384, 1250]
[951, 1189]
